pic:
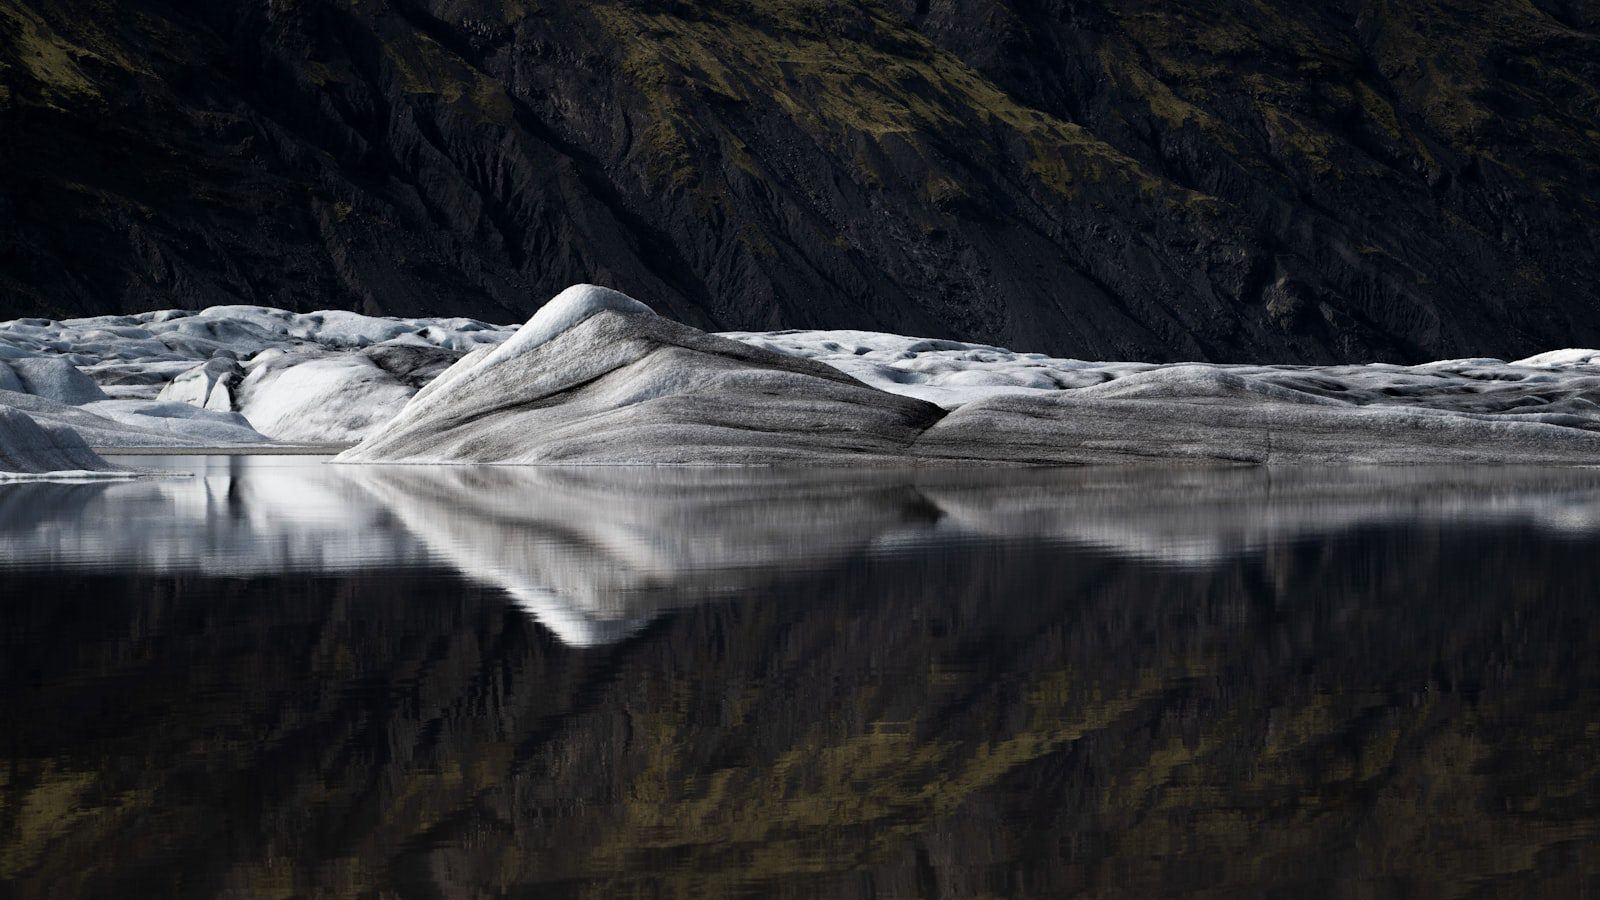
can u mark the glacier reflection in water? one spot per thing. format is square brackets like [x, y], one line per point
[595, 553]
[269, 675]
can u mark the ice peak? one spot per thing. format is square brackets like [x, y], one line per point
[560, 314]
[567, 310]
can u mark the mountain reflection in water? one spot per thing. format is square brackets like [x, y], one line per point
[289, 678]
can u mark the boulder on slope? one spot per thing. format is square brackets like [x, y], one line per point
[596, 377]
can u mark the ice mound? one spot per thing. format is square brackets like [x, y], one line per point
[315, 395]
[563, 312]
[52, 378]
[596, 377]
[953, 374]
[1079, 428]
[949, 373]
[239, 330]
[152, 423]
[52, 392]
[31, 450]
[329, 399]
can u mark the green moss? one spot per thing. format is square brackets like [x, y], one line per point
[1377, 110]
[422, 67]
[1164, 104]
[941, 191]
[49, 60]
[1316, 148]
[892, 85]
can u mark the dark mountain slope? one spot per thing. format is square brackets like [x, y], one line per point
[1224, 179]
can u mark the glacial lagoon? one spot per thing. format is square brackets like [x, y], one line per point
[268, 674]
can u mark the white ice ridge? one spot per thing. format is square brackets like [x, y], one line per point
[952, 374]
[181, 335]
[1561, 359]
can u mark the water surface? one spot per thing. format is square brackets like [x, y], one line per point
[275, 677]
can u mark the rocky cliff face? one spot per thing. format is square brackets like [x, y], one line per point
[1221, 180]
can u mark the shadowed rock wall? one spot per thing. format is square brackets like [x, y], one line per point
[1222, 180]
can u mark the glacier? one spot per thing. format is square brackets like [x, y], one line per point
[596, 377]
[610, 382]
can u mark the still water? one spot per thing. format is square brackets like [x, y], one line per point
[274, 677]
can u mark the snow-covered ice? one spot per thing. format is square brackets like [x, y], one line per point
[319, 398]
[948, 373]
[563, 312]
[50, 377]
